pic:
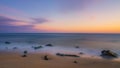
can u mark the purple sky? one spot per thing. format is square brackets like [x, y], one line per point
[71, 16]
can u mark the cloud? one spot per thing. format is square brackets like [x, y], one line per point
[13, 25]
[39, 20]
[6, 21]
[10, 21]
[26, 28]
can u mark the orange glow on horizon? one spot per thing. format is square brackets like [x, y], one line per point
[80, 29]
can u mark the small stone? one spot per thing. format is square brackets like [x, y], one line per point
[7, 42]
[77, 47]
[46, 57]
[14, 47]
[81, 53]
[25, 52]
[24, 55]
[50, 45]
[38, 47]
[75, 62]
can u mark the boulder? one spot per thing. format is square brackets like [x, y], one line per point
[70, 55]
[59, 54]
[7, 42]
[81, 53]
[38, 47]
[75, 62]
[108, 53]
[14, 47]
[46, 57]
[77, 47]
[50, 45]
[25, 52]
[24, 55]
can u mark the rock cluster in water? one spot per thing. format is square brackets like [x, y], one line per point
[37, 47]
[50, 45]
[108, 53]
[7, 42]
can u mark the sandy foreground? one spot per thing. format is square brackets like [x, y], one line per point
[14, 60]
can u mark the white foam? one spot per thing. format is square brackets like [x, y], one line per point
[88, 53]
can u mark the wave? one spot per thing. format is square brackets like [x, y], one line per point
[82, 52]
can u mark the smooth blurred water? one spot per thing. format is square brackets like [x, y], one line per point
[90, 44]
[104, 41]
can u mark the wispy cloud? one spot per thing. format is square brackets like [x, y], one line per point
[7, 21]
[13, 25]
[39, 20]
[25, 28]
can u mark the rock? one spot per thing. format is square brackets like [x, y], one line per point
[108, 53]
[70, 55]
[7, 42]
[75, 62]
[25, 52]
[24, 55]
[50, 45]
[59, 54]
[46, 57]
[77, 47]
[14, 47]
[38, 47]
[81, 53]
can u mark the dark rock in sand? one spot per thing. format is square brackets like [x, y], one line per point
[108, 54]
[59, 54]
[7, 42]
[50, 45]
[24, 55]
[46, 57]
[70, 55]
[38, 47]
[75, 62]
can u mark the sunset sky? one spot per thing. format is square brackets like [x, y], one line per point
[60, 16]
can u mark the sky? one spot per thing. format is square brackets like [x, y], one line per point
[59, 16]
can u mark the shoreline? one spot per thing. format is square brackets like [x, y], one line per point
[86, 52]
[35, 60]
[22, 55]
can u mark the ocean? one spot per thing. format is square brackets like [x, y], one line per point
[64, 42]
[111, 41]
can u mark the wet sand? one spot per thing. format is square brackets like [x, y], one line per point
[14, 60]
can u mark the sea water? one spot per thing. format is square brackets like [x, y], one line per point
[90, 44]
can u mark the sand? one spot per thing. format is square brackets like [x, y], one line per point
[35, 60]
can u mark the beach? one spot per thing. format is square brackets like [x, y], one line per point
[14, 60]
[35, 58]
[55, 51]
